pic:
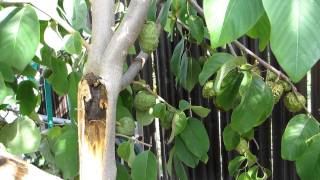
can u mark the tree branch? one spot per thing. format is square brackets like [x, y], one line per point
[134, 139]
[138, 63]
[14, 168]
[125, 36]
[55, 16]
[196, 6]
[102, 23]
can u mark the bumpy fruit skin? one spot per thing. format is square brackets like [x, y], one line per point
[277, 91]
[138, 87]
[144, 101]
[286, 86]
[271, 76]
[207, 90]
[125, 126]
[149, 37]
[294, 104]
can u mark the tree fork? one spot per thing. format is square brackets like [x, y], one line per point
[92, 130]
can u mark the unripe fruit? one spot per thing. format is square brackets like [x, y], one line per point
[139, 86]
[277, 90]
[149, 37]
[125, 126]
[271, 76]
[293, 103]
[286, 86]
[144, 101]
[166, 121]
[207, 90]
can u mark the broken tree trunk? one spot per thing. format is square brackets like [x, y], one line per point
[95, 129]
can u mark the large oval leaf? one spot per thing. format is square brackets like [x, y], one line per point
[27, 97]
[196, 138]
[76, 13]
[144, 167]
[295, 39]
[298, 130]
[66, 152]
[308, 165]
[212, 65]
[21, 136]
[256, 105]
[184, 154]
[19, 36]
[227, 20]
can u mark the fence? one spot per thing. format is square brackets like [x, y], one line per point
[268, 135]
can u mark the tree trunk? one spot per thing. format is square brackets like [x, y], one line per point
[96, 129]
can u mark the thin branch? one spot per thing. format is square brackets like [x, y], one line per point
[102, 23]
[54, 16]
[138, 62]
[271, 68]
[233, 52]
[134, 139]
[196, 6]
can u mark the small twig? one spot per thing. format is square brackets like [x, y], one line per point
[134, 139]
[147, 88]
[271, 68]
[58, 19]
[197, 7]
[256, 143]
[233, 52]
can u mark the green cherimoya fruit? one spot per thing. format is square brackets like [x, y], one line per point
[125, 126]
[139, 86]
[293, 103]
[144, 101]
[149, 37]
[271, 76]
[286, 86]
[277, 90]
[207, 90]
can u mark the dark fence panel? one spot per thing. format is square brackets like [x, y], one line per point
[268, 135]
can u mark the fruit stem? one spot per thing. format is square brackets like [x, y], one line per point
[134, 139]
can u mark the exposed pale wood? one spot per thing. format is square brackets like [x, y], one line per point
[12, 168]
[92, 115]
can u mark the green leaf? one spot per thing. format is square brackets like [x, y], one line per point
[179, 169]
[144, 118]
[189, 72]
[159, 110]
[20, 36]
[26, 97]
[262, 31]
[196, 27]
[122, 173]
[231, 138]
[308, 164]
[144, 167]
[165, 12]
[20, 137]
[29, 71]
[76, 12]
[225, 69]
[195, 137]
[235, 164]
[294, 35]
[7, 73]
[184, 154]
[126, 152]
[66, 152]
[227, 20]
[59, 77]
[123, 112]
[228, 97]
[212, 65]
[184, 105]
[176, 58]
[52, 37]
[200, 111]
[256, 105]
[152, 13]
[179, 123]
[72, 43]
[6, 93]
[73, 80]
[169, 163]
[299, 129]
